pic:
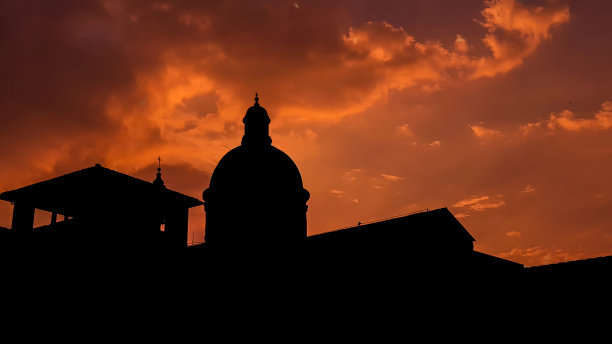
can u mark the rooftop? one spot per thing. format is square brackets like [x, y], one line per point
[74, 192]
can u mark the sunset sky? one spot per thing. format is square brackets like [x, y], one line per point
[499, 110]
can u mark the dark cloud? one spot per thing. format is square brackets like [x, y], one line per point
[201, 105]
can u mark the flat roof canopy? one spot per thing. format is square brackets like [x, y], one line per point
[96, 187]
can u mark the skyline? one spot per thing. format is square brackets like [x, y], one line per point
[499, 110]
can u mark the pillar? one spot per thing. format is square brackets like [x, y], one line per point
[23, 216]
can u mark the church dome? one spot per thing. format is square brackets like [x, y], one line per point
[261, 172]
[255, 192]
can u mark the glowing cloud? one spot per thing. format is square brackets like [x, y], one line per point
[529, 189]
[515, 31]
[568, 121]
[482, 132]
[391, 178]
[539, 255]
[461, 45]
[480, 203]
[351, 175]
[405, 130]
[470, 201]
[488, 205]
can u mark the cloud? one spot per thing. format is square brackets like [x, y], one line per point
[381, 41]
[487, 205]
[399, 60]
[520, 252]
[567, 120]
[470, 201]
[515, 30]
[529, 128]
[482, 132]
[539, 255]
[391, 178]
[435, 143]
[529, 189]
[479, 203]
[337, 193]
[404, 129]
[352, 174]
[513, 234]
[461, 45]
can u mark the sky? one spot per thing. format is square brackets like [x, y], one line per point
[500, 111]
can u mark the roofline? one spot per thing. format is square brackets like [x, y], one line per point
[363, 224]
[6, 195]
[497, 259]
[3, 195]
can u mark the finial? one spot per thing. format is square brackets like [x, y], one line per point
[158, 180]
[256, 99]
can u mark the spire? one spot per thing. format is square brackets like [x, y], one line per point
[256, 99]
[158, 180]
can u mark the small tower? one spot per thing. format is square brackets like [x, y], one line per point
[159, 182]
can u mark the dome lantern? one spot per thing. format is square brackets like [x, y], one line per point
[256, 126]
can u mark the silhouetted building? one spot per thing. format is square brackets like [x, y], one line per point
[427, 241]
[256, 203]
[255, 195]
[99, 209]
[598, 266]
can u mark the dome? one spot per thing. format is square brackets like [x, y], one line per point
[255, 192]
[261, 172]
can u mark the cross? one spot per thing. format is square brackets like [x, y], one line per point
[159, 162]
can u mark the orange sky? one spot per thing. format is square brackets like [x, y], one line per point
[499, 110]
